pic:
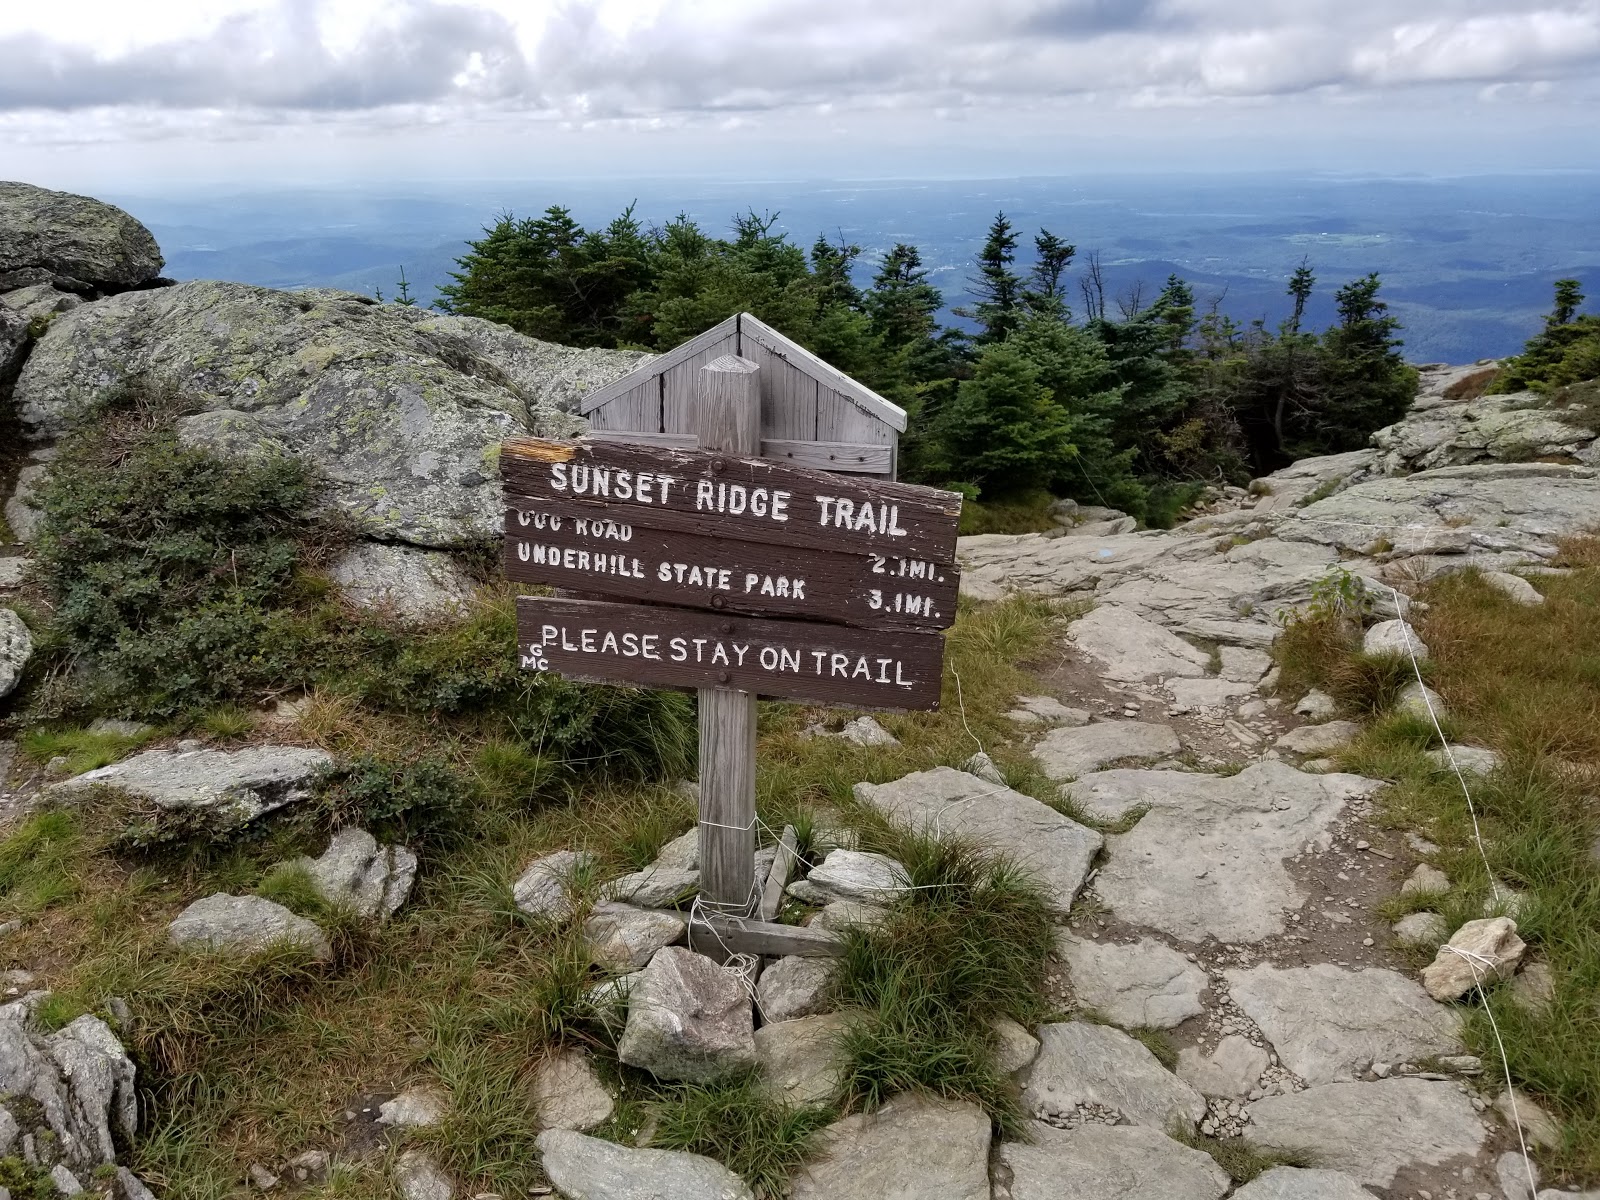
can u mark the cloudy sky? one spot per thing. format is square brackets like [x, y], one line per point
[411, 89]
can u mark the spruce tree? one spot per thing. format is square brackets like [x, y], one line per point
[998, 288]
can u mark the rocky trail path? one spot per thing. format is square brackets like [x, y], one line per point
[1234, 908]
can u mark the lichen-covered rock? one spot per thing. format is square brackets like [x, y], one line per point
[1329, 1022]
[357, 873]
[1055, 850]
[77, 1085]
[545, 888]
[1133, 984]
[39, 302]
[1083, 1063]
[73, 242]
[399, 410]
[568, 1094]
[795, 986]
[16, 648]
[1095, 1162]
[687, 1019]
[14, 340]
[230, 787]
[412, 584]
[241, 925]
[627, 938]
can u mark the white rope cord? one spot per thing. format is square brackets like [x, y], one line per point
[1474, 960]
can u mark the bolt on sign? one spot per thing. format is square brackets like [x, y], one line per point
[731, 525]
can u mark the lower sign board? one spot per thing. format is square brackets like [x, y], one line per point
[599, 642]
[634, 562]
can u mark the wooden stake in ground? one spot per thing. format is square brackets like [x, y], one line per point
[728, 420]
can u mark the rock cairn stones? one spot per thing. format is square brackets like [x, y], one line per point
[687, 1019]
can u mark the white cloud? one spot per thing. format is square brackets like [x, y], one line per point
[94, 71]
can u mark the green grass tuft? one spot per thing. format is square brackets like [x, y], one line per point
[83, 750]
[41, 862]
[966, 945]
[737, 1123]
[1242, 1159]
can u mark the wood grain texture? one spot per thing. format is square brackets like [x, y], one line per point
[746, 935]
[598, 642]
[638, 408]
[860, 458]
[728, 419]
[826, 375]
[676, 441]
[783, 861]
[692, 571]
[680, 385]
[716, 495]
[659, 365]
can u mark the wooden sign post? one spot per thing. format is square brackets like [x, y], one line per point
[739, 575]
[729, 421]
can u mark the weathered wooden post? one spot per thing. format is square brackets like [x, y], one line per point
[728, 420]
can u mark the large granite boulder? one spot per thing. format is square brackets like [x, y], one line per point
[72, 242]
[398, 410]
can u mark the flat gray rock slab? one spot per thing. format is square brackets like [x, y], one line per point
[1301, 1183]
[627, 938]
[1328, 1022]
[1319, 739]
[1207, 859]
[913, 1148]
[1083, 1063]
[586, 1168]
[687, 1019]
[801, 1062]
[545, 888]
[245, 925]
[1046, 710]
[654, 887]
[859, 875]
[1230, 1070]
[418, 1177]
[1102, 1162]
[1069, 753]
[1130, 649]
[234, 786]
[356, 873]
[795, 986]
[1132, 984]
[1372, 1130]
[1055, 850]
[568, 1094]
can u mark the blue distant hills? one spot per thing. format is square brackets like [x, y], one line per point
[1468, 262]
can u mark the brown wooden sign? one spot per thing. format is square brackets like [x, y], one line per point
[725, 496]
[636, 562]
[665, 647]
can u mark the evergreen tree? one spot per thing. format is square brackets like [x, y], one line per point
[998, 288]
[901, 301]
[1365, 382]
[1046, 294]
[1565, 351]
[1003, 431]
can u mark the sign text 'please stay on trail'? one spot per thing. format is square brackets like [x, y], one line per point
[729, 497]
[664, 647]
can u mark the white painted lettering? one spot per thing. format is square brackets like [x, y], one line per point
[558, 477]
